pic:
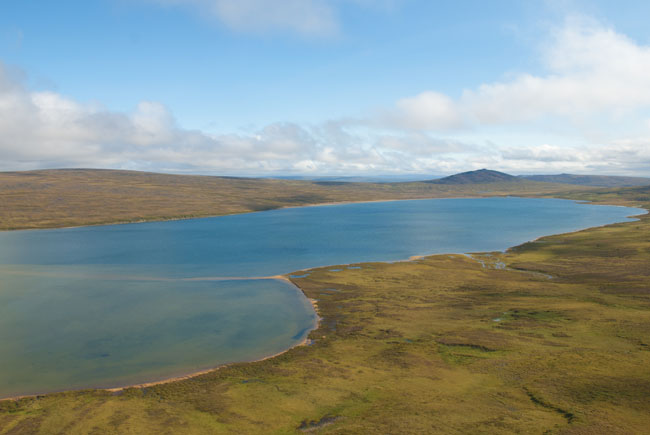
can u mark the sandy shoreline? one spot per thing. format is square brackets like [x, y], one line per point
[304, 342]
[167, 380]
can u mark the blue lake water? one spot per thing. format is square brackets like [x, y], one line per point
[113, 305]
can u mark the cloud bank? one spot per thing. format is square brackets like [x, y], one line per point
[591, 70]
[46, 129]
[596, 82]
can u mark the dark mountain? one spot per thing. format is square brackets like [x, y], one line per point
[591, 180]
[481, 176]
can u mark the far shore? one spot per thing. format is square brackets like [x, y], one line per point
[320, 204]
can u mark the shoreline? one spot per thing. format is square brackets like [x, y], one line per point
[304, 342]
[319, 204]
[145, 221]
[191, 375]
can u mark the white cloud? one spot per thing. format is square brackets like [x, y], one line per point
[307, 17]
[591, 70]
[544, 153]
[631, 157]
[422, 145]
[152, 124]
[426, 111]
[595, 94]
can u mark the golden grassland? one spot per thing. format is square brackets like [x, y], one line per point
[74, 197]
[549, 337]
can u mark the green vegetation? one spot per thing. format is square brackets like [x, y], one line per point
[74, 197]
[445, 344]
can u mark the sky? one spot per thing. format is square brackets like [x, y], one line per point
[326, 87]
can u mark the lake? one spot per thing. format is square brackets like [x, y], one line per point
[113, 305]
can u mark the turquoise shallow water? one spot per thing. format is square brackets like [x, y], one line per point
[114, 305]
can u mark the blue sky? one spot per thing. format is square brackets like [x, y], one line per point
[259, 87]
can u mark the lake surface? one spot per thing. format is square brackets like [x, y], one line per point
[114, 305]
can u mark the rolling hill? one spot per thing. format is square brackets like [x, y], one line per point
[480, 176]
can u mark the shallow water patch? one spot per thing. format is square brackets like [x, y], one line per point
[73, 333]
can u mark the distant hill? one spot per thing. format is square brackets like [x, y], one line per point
[477, 177]
[485, 176]
[591, 180]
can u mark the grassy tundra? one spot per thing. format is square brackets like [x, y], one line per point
[549, 337]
